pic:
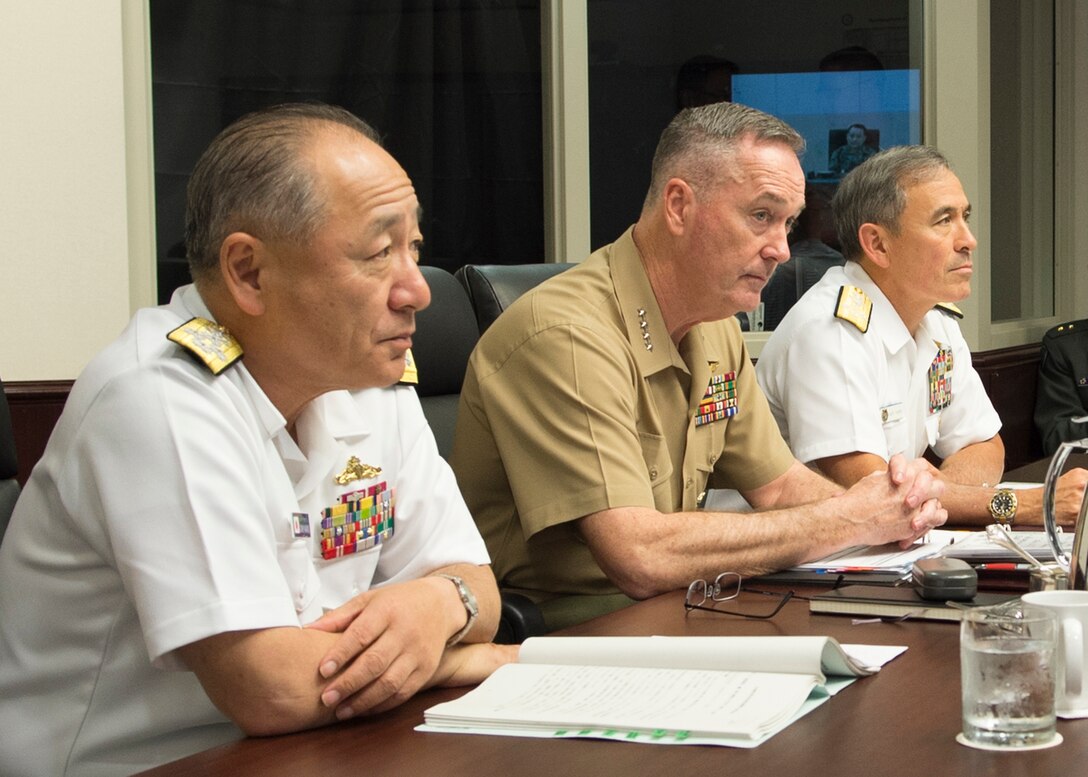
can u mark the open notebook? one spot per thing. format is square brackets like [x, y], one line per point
[735, 691]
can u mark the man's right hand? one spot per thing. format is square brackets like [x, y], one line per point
[471, 664]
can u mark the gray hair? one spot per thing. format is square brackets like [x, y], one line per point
[874, 192]
[698, 140]
[254, 178]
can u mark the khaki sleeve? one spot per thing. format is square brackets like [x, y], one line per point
[562, 409]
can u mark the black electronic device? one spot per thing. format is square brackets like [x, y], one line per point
[943, 579]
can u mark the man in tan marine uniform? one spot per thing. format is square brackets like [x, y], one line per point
[601, 405]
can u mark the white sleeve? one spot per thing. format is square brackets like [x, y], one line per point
[168, 474]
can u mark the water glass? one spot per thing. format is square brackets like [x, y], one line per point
[1009, 667]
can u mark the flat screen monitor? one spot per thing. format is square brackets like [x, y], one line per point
[822, 105]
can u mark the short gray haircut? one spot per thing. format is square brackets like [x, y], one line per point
[254, 178]
[874, 192]
[699, 140]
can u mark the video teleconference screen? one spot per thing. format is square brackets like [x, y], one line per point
[823, 105]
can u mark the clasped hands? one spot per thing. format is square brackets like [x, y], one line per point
[912, 489]
[392, 643]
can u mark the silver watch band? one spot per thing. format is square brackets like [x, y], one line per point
[469, 601]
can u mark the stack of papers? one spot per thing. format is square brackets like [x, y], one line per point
[976, 546]
[884, 558]
[871, 564]
[882, 564]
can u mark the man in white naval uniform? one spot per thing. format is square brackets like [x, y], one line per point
[870, 362]
[240, 524]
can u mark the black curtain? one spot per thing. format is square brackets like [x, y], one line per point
[453, 87]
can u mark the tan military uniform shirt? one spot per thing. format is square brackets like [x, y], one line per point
[576, 400]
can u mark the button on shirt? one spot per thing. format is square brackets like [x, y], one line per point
[835, 390]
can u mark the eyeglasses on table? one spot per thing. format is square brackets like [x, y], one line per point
[725, 587]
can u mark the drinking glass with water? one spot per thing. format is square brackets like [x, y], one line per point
[1009, 667]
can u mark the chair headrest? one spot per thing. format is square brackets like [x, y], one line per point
[492, 287]
[445, 335]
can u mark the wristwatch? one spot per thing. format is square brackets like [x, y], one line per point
[1003, 506]
[471, 607]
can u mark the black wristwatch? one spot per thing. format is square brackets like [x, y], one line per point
[1003, 506]
[471, 607]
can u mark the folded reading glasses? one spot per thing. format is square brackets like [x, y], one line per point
[726, 586]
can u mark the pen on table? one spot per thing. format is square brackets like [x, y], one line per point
[1002, 567]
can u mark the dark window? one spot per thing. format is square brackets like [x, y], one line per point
[821, 66]
[453, 87]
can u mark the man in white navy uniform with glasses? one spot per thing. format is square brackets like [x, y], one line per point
[238, 508]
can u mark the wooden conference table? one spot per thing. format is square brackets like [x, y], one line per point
[901, 721]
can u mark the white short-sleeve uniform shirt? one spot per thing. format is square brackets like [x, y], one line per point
[171, 505]
[834, 389]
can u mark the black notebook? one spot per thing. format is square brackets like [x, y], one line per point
[893, 602]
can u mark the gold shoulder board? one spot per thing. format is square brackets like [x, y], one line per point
[950, 309]
[854, 305]
[410, 376]
[209, 342]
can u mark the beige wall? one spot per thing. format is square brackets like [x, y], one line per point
[66, 287]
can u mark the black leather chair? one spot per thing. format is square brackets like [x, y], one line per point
[520, 619]
[9, 467]
[779, 295]
[810, 269]
[445, 336]
[492, 287]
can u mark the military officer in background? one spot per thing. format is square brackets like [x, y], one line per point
[1061, 402]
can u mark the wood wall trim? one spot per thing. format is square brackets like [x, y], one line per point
[33, 391]
[35, 407]
[1014, 356]
[1010, 377]
[1008, 374]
